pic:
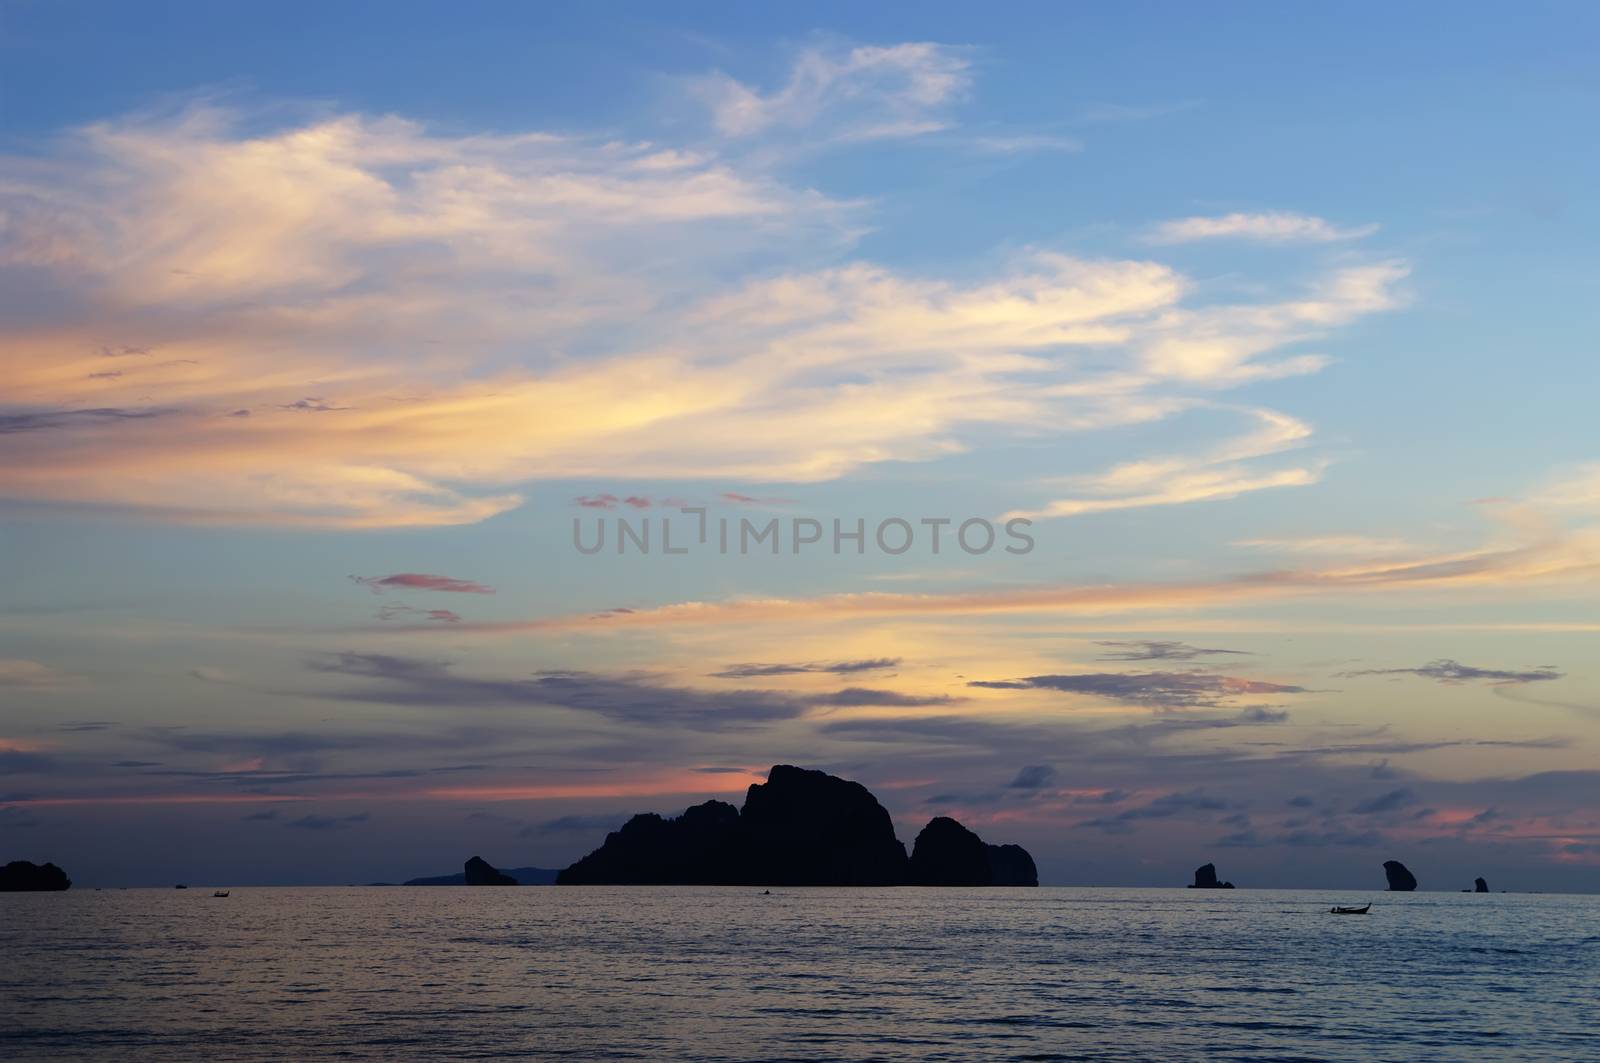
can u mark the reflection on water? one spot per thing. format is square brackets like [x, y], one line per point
[709, 974]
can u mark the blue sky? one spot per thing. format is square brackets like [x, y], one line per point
[1274, 322]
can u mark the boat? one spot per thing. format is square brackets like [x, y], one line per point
[220, 893]
[1349, 910]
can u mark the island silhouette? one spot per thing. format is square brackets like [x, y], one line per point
[1205, 878]
[1401, 880]
[800, 828]
[22, 876]
[520, 876]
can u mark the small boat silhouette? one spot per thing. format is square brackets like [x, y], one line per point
[220, 893]
[1350, 910]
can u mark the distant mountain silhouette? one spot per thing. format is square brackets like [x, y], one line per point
[20, 876]
[479, 872]
[524, 876]
[1400, 879]
[799, 828]
[1205, 878]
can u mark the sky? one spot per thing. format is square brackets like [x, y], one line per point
[1151, 435]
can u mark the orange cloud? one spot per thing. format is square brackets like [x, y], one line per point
[358, 323]
[1552, 561]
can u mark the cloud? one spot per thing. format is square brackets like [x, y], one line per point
[1227, 471]
[395, 611]
[608, 501]
[1262, 714]
[31, 675]
[758, 671]
[360, 287]
[1304, 839]
[1448, 671]
[1331, 545]
[633, 699]
[316, 822]
[1274, 227]
[1385, 802]
[41, 420]
[1024, 143]
[862, 696]
[417, 581]
[1576, 487]
[1162, 689]
[739, 498]
[1033, 777]
[573, 824]
[1546, 558]
[1165, 806]
[1158, 650]
[845, 94]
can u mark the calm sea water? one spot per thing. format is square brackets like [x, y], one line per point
[727, 974]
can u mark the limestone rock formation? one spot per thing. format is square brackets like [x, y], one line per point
[1011, 865]
[1400, 879]
[1480, 886]
[948, 854]
[1205, 878]
[799, 828]
[700, 847]
[809, 828]
[20, 876]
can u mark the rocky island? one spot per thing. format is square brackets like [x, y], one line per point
[948, 854]
[524, 876]
[1205, 878]
[479, 872]
[21, 876]
[1400, 879]
[799, 828]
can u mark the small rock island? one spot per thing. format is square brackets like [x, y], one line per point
[799, 828]
[479, 872]
[1205, 878]
[21, 876]
[1400, 879]
[1479, 885]
[948, 854]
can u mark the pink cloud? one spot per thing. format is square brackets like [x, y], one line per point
[609, 501]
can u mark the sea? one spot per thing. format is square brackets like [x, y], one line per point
[704, 973]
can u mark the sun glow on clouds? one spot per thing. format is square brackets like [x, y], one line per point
[357, 322]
